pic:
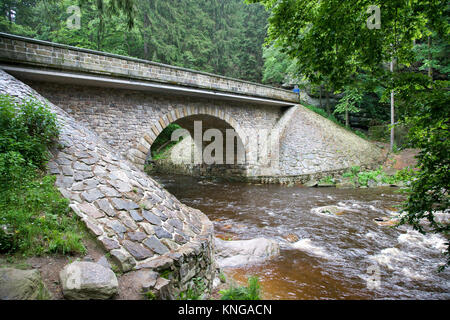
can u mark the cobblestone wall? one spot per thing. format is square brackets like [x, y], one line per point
[131, 120]
[312, 144]
[143, 227]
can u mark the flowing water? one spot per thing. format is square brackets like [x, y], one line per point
[344, 256]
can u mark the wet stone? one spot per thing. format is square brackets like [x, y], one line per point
[150, 217]
[136, 250]
[154, 244]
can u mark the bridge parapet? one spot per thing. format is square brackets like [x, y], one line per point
[23, 51]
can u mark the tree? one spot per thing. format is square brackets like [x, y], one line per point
[330, 38]
[351, 102]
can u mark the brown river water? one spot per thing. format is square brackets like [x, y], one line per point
[336, 256]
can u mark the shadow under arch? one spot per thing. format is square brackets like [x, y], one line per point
[211, 118]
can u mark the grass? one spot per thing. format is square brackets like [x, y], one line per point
[363, 177]
[34, 218]
[195, 292]
[37, 220]
[334, 119]
[251, 292]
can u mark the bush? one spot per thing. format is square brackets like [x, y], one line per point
[251, 292]
[28, 128]
[34, 218]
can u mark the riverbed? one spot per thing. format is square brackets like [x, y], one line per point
[344, 256]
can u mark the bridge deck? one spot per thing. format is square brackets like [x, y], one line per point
[37, 59]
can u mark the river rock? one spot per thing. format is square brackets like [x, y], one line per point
[18, 284]
[328, 210]
[87, 280]
[311, 183]
[240, 252]
[290, 237]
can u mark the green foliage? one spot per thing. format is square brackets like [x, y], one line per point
[149, 295]
[427, 111]
[350, 102]
[362, 178]
[251, 292]
[26, 131]
[277, 66]
[164, 141]
[222, 277]
[327, 180]
[166, 274]
[34, 218]
[194, 292]
[333, 119]
[222, 37]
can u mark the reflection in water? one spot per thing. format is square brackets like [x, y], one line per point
[332, 257]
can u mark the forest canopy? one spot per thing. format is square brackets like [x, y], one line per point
[221, 37]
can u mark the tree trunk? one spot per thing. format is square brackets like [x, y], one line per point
[327, 94]
[430, 69]
[320, 96]
[144, 36]
[347, 122]
[392, 111]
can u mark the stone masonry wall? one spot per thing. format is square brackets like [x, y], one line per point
[131, 120]
[16, 49]
[312, 144]
[145, 229]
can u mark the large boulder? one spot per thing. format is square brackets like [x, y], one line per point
[240, 252]
[18, 284]
[83, 280]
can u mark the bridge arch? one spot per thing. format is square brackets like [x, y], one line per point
[139, 153]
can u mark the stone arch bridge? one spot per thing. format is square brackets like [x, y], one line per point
[128, 102]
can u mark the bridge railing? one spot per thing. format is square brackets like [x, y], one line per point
[26, 51]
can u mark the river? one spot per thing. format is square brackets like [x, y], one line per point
[345, 256]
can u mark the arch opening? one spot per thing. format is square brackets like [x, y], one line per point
[198, 145]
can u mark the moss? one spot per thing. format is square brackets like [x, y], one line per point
[150, 295]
